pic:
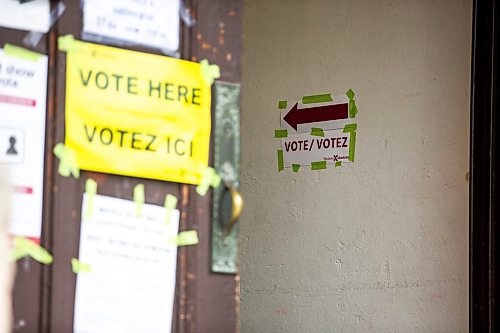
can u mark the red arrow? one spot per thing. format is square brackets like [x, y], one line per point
[311, 115]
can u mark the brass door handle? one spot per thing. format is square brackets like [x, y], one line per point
[231, 207]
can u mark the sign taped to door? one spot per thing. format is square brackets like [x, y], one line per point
[137, 114]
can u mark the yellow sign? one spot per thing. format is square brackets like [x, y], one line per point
[137, 114]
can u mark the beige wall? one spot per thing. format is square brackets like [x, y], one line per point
[381, 245]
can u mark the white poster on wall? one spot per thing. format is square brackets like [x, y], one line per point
[130, 284]
[23, 90]
[153, 23]
[32, 16]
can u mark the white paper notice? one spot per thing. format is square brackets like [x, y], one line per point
[31, 16]
[130, 287]
[305, 148]
[154, 23]
[23, 90]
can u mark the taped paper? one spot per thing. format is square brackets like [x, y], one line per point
[317, 99]
[185, 238]
[33, 37]
[20, 52]
[139, 198]
[209, 72]
[67, 161]
[79, 267]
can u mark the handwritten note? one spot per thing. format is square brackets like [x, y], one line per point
[153, 23]
[131, 285]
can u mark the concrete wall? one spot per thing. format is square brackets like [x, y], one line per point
[381, 245]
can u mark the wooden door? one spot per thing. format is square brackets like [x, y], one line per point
[44, 295]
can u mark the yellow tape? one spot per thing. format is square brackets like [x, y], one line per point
[139, 198]
[79, 267]
[23, 247]
[209, 72]
[170, 204]
[209, 178]
[67, 161]
[185, 238]
[20, 52]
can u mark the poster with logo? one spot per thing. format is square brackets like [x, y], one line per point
[23, 90]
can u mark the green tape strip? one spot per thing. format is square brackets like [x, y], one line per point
[67, 161]
[170, 204]
[208, 178]
[66, 43]
[338, 163]
[139, 198]
[350, 94]
[350, 128]
[185, 238]
[282, 104]
[280, 133]
[209, 72]
[295, 167]
[317, 131]
[23, 247]
[352, 141]
[352, 146]
[281, 164]
[79, 267]
[317, 99]
[91, 190]
[353, 110]
[318, 165]
[20, 52]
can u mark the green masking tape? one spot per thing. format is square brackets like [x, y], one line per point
[353, 110]
[67, 161]
[20, 52]
[139, 198]
[281, 164]
[282, 104]
[317, 99]
[208, 178]
[185, 238]
[79, 267]
[350, 128]
[317, 131]
[352, 146]
[352, 141]
[170, 204]
[280, 133]
[338, 163]
[318, 165]
[350, 94]
[295, 167]
[23, 247]
[209, 72]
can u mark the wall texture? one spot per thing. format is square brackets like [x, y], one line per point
[381, 245]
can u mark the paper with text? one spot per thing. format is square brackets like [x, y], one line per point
[131, 285]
